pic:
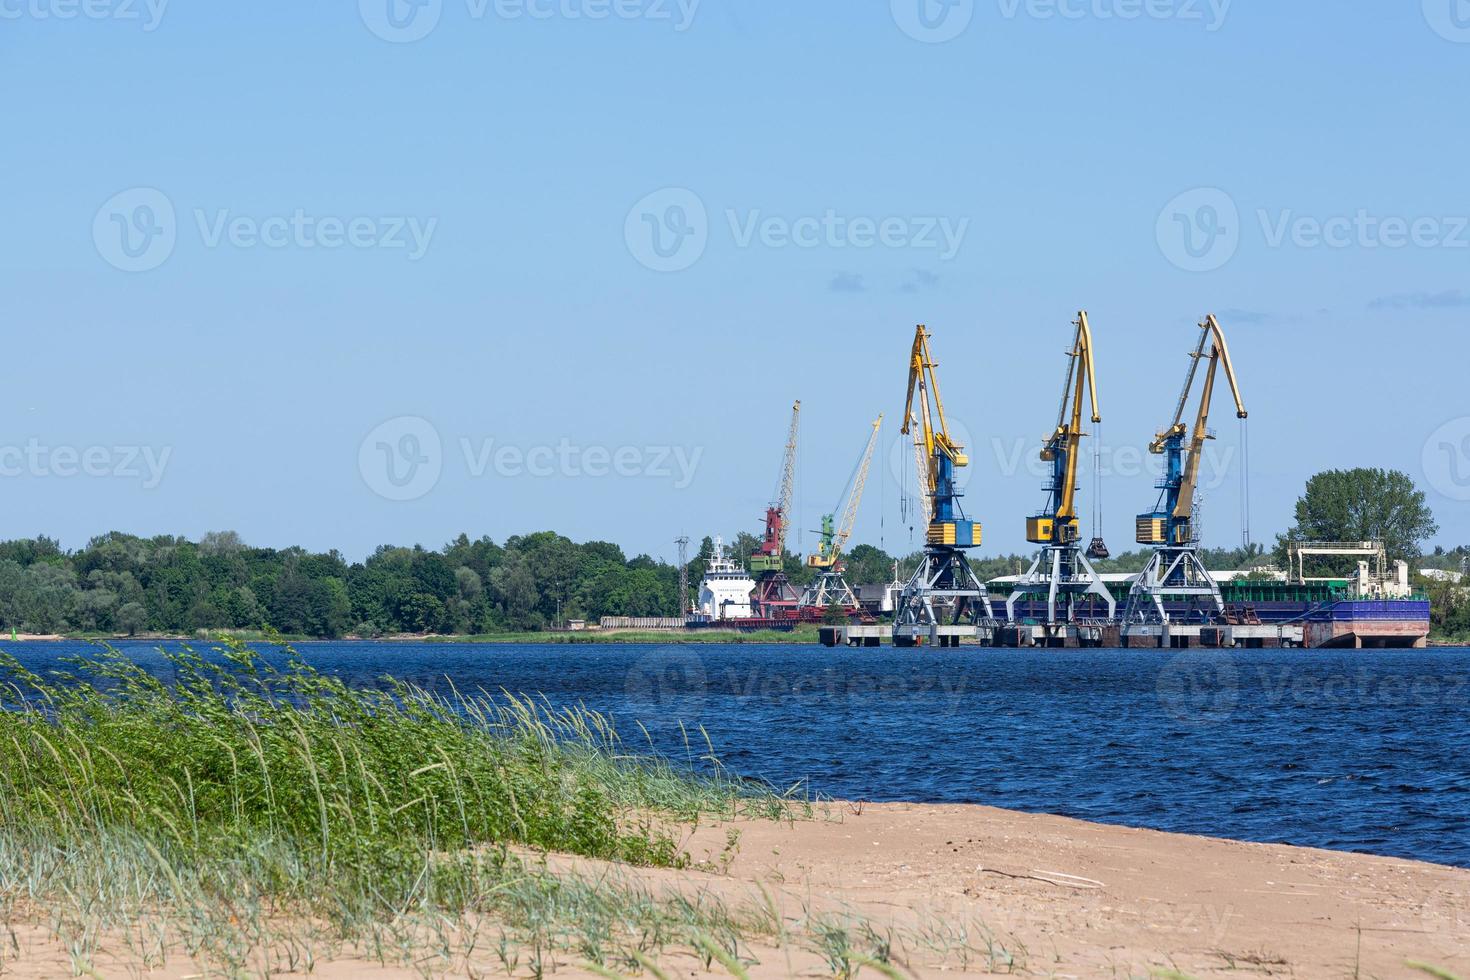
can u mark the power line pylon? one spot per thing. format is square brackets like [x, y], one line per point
[683, 542]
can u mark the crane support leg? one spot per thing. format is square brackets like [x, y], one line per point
[1173, 572]
[829, 588]
[943, 591]
[1061, 573]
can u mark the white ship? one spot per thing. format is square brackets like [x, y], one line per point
[724, 592]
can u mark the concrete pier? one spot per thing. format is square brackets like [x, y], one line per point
[1072, 636]
[1252, 637]
[1061, 636]
[855, 636]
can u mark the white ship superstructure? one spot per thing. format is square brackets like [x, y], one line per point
[724, 592]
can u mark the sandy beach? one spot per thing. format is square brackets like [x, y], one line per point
[1068, 898]
[975, 891]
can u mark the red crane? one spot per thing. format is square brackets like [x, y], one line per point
[774, 594]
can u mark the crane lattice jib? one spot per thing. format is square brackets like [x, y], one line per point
[835, 534]
[788, 478]
[849, 515]
[923, 469]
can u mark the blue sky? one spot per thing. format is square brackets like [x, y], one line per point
[350, 249]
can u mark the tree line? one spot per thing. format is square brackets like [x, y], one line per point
[121, 583]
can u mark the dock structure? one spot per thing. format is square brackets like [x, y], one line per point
[855, 636]
[946, 635]
[1370, 609]
[1178, 636]
[1407, 632]
[1395, 624]
[1064, 636]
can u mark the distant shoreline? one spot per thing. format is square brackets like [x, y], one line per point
[588, 638]
[575, 638]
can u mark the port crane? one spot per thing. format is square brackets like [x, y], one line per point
[829, 588]
[944, 590]
[773, 590]
[1170, 528]
[1062, 570]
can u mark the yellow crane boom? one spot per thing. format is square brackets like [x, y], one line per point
[948, 526]
[1219, 356]
[1058, 525]
[925, 382]
[1170, 524]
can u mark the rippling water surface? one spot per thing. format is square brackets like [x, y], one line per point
[1364, 751]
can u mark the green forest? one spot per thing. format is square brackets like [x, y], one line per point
[120, 583]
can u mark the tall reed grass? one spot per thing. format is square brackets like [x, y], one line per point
[232, 790]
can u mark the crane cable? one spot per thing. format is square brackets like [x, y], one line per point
[905, 500]
[1097, 480]
[1245, 483]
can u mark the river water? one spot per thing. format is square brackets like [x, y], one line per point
[1363, 751]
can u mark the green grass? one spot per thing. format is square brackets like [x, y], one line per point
[243, 792]
[233, 749]
[1431, 970]
[255, 817]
